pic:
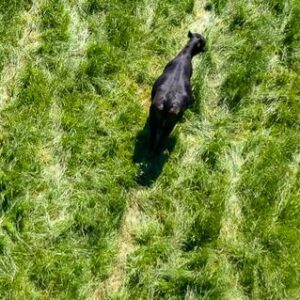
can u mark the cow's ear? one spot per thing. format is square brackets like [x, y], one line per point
[190, 35]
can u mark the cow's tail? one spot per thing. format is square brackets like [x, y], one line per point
[172, 106]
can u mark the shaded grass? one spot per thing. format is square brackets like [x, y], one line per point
[150, 163]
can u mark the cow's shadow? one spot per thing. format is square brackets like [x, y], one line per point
[150, 163]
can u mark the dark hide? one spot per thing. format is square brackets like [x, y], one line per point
[172, 93]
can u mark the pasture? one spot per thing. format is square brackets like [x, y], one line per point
[86, 214]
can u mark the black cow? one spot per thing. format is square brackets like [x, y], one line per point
[172, 93]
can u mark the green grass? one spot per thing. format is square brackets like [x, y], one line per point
[86, 214]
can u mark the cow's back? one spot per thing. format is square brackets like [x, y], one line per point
[174, 84]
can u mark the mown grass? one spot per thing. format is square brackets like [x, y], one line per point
[217, 218]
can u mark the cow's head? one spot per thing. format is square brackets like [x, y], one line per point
[197, 42]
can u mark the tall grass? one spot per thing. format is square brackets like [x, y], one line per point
[216, 219]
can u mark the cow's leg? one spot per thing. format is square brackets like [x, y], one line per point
[169, 125]
[155, 121]
[153, 135]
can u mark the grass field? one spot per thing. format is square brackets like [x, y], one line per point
[86, 214]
